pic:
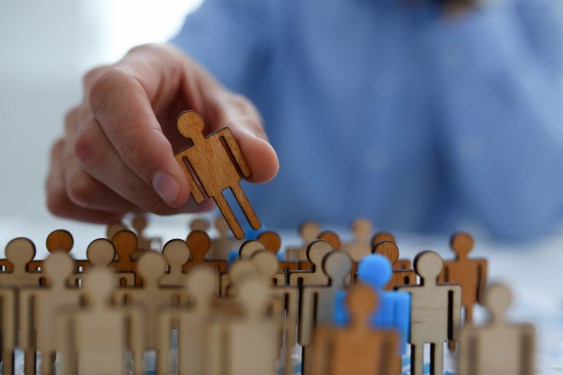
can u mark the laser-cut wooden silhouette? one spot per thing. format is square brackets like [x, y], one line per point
[400, 276]
[96, 338]
[356, 349]
[192, 322]
[308, 232]
[265, 262]
[56, 240]
[8, 319]
[272, 242]
[176, 253]
[470, 273]
[101, 253]
[215, 163]
[497, 347]
[113, 228]
[362, 229]
[400, 264]
[316, 305]
[39, 307]
[199, 244]
[225, 242]
[139, 223]
[199, 224]
[125, 243]
[151, 267]
[20, 252]
[435, 314]
[240, 268]
[287, 297]
[329, 236]
[315, 254]
[254, 335]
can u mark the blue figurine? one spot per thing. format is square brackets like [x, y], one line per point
[394, 307]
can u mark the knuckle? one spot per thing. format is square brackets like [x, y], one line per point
[110, 80]
[85, 146]
[91, 75]
[80, 188]
[57, 148]
[71, 117]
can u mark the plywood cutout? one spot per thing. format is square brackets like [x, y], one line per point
[139, 224]
[101, 253]
[400, 276]
[192, 322]
[176, 253]
[255, 335]
[39, 307]
[498, 347]
[470, 273]
[362, 230]
[151, 267]
[272, 242]
[317, 302]
[56, 240]
[97, 337]
[435, 314]
[213, 164]
[225, 242]
[8, 319]
[308, 232]
[316, 251]
[356, 349]
[199, 244]
[400, 264]
[329, 236]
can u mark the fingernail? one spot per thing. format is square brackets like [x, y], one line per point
[166, 186]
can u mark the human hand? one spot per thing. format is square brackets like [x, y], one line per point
[116, 155]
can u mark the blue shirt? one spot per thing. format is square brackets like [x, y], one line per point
[396, 111]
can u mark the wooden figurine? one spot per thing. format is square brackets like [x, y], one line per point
[317, 302]
[113, 228]
[199, 224]
[126, 244]
[38, 309]
[287, 296]
[209, 163]
[151, 267]
[240, 269]
[399, 264]
[435, 314]
[249, 247]
[100, 253]
[8, 327]
[272, 242]
[265, 262]
[470, 273]
[176, 253]
[308, 232]
[139, 223]
[56, 240]
[327, 235]
[316, 251]
[358, 348]
[224, 243]
[248, 344]
[400, 276]
[497, 347]
[20, 252]
[192, 322]
[362, 230]
[95, 338]
[199, 244]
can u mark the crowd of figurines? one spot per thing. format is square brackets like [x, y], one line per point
[352, 308]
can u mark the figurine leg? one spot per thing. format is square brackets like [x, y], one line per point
[246, 207]
[436, 359]
[307, 360]
[229, 216]
[8, 361]
[417, 359]
[29, 362]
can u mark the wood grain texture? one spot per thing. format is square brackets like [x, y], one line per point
[308, 231]
[315, 254]
[400, 276]
[272, 242]
[199, 244]
[435, 314]
[176, 253]
[213, 164]
[326, 235]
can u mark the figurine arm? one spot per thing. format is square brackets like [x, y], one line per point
[163, 341]
[137, 336]
[235, 150]
[26, 320]
[402, 319]
[8, 319]
[483, 272]
[194, 189]
[455, 313]
[306, 319]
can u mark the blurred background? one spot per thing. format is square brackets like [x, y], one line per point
[45, 48]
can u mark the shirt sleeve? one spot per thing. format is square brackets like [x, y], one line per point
[230, 38]
[500, 102]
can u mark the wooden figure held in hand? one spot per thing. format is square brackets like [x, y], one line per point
[435, 313]
[209, 163]
[357, 349]
[497, 347]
